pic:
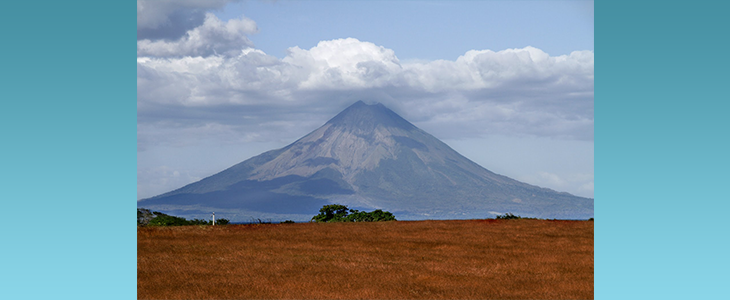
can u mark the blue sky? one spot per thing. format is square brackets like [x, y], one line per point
[509, 84]
[421, 29]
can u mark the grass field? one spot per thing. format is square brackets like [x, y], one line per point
[469, 259]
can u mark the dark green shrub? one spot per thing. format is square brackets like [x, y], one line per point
[331, 213]
[507, 216]
[359, 216]
[199, 222]
[165, 220]
[339, 213]
[379, 215]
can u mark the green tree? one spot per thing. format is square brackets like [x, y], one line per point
[331, 213]
[339, 213]
[379, 215]
[358, 216]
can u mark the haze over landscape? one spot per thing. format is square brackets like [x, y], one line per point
[366, 157]
[220, 82]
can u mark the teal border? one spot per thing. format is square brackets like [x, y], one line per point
[662, 152]
[68, 121]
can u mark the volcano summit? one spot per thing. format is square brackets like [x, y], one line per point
[367, 157]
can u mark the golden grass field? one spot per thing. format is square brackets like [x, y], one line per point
[458, 259]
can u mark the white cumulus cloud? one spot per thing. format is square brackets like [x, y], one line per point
[513, 91]
[490, 70]
[345, 63]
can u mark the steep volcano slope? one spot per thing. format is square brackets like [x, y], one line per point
[369, 157]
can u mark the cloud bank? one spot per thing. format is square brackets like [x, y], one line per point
[513, 91]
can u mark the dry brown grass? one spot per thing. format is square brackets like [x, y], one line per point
[474, 259]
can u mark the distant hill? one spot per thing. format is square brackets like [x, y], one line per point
[366, 157]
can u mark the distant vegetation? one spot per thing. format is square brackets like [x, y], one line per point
[507, 216]
[145, 217]
[340, 213]
[510, 216]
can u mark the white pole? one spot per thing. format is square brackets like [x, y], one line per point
[213, 218]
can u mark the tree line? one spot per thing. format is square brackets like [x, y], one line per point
[145, 217]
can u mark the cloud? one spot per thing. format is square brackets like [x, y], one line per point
[486, 70]
[514, 91]
[213, 37]
[171, 19]
[345, 64]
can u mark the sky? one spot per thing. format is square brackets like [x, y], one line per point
[508, 84]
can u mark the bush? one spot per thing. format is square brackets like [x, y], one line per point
[165, 220]
[339, 213]
[200, 222]
[508, 216]
[288, 222]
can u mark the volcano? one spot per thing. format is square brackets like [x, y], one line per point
[366, 157]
